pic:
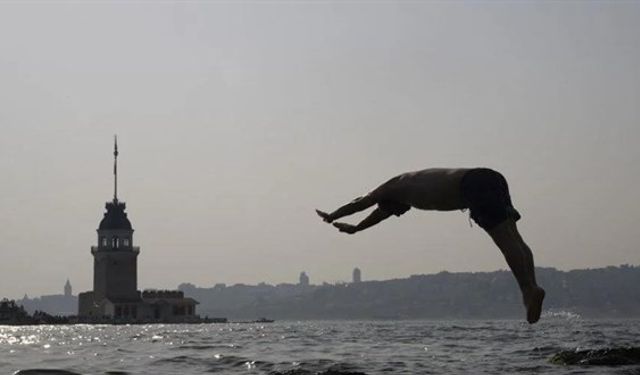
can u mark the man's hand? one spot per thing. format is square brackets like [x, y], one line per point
[325, 216]
[346, 228]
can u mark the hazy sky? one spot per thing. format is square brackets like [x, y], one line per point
[236, 120]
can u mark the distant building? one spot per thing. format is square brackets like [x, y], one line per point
[67, 289]
[115, 295]
[54, 304]
[304, 279]
[357, 275]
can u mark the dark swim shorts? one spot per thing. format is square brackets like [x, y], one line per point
[486, 194]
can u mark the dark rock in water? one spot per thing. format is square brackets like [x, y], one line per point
[598, 357]
[45, 371]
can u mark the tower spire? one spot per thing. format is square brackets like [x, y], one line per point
[115, 168]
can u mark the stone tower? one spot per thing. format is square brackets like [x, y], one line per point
[357, 275]
[115, 262]
[67, 289]
[304, 279]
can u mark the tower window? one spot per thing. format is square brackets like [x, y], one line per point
[125, 242]
[104, 241]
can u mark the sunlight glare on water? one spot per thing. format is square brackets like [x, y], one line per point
[371, 347]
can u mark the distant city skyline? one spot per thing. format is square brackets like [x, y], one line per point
[236, 120]
[303, 279]
[570, 292]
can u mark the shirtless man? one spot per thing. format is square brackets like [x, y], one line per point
[483, 191]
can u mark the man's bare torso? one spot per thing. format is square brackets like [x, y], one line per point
[428, 189]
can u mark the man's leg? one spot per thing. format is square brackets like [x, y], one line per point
[528, 256]
[520, 260]
[357, 205]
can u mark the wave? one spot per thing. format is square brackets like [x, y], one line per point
[217, 362]
[220, 362]
[568, 315]
[598, 357]
[337, 369]
[231, 361]
[307, 372]
[208, 347]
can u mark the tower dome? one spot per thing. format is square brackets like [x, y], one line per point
[115, 218]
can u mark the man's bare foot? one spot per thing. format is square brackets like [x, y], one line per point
[533, 303]
[346, 228]
[325, 216]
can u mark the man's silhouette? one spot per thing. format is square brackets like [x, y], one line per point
[483, 191]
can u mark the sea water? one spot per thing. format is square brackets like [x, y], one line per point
[309, 347]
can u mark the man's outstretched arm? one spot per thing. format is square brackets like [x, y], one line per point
[356, 205]
[374, 218]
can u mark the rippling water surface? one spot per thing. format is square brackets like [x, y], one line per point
[372, 347]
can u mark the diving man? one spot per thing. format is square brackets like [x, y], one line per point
[483, 191]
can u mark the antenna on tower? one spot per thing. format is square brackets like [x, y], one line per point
[115, 168]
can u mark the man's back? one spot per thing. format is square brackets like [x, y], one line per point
[428, 189]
